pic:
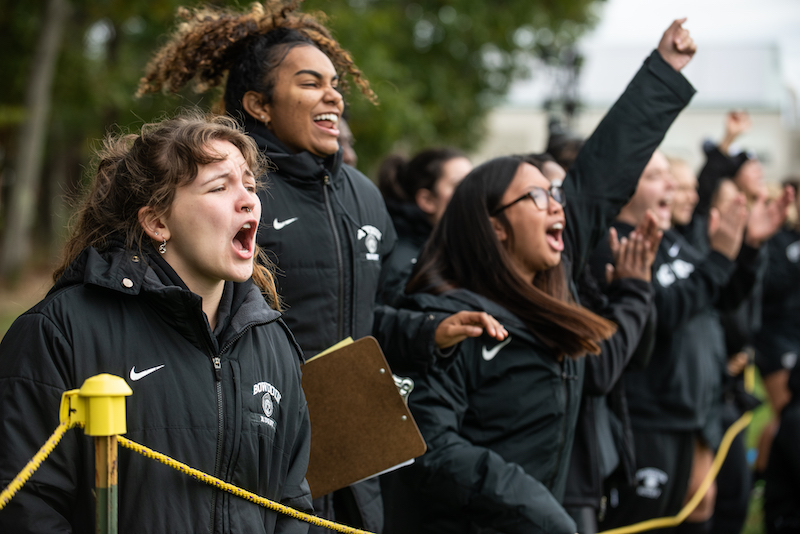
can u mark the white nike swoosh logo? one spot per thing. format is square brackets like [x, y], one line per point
[673, 250]
[278, 225]
[489, 355]
[138, 376]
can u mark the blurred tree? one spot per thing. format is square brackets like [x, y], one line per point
[437, 66]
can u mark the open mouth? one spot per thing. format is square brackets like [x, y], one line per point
[555, 236]
[244, 239]
[327, 121]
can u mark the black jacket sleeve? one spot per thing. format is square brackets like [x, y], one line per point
[717, 167]
[608, 167]
[748, 263]
[630, 305]
[407, 336]
[34, 358]
[679, 302]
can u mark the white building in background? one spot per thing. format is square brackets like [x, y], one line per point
[745, 75]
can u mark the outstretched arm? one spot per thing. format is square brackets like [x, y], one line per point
[608, 167]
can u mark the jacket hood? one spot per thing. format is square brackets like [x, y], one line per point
[147, 274]
[302, 167]
[410, 222]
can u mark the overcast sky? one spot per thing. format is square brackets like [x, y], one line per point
[718, 22]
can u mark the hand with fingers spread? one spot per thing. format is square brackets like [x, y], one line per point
[634, 255]
[726, 224]
[766, 217]
[464, 324]
[677, 46]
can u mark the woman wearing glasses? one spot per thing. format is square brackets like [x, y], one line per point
[498, 416]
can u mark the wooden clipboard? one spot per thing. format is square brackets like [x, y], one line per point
[360, 426]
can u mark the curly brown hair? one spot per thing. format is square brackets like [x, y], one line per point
[140, 170]
[213, 43]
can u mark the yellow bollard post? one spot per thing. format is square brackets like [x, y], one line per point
[103, 404]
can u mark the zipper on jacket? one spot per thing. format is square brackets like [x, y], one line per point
[339, 261]
[220, 432]
[217, 362]
[565, 378]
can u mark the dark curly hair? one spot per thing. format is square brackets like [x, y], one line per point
[212, 43]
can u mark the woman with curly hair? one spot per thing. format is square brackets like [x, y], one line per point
[160, 284]
[325, 224]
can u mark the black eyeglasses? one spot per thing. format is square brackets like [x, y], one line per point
[540, 196]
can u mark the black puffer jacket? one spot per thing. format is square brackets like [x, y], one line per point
[325, 226]
[228, 403]
[498, 418]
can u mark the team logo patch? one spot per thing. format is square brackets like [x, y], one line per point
[371, 237]
[266, 403]
[270, 400]
[677, 270]
[649, 482]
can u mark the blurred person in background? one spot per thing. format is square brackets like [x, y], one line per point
[778, 341]
[782, 476]
[416, 192]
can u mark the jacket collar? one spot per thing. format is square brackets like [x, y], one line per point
[148, 275]
[303, 167]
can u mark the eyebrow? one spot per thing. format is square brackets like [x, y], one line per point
[314, 74]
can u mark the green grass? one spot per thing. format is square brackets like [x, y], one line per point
[761, 416]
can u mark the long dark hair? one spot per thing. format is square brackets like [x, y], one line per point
[138, 170]
[464, 252]
[399, 178]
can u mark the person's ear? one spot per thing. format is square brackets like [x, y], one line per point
[255, 105]
[426, 200]
[153, 226]
[499, 229]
